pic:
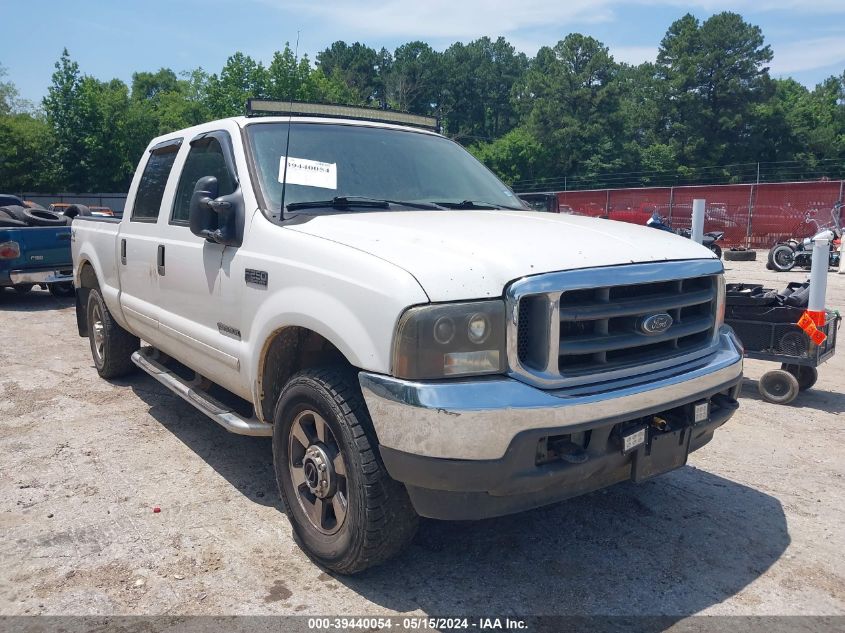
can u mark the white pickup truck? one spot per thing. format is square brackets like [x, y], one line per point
[414, 339]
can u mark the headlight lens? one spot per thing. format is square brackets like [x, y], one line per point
[478, 328]
[456, 339]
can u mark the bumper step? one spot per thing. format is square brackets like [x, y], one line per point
[191, 391]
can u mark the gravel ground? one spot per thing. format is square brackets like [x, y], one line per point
[753, 525]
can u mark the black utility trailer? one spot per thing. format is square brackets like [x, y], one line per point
[769, 331]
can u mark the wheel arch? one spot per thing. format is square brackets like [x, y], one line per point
[288, 350]
[86, 280]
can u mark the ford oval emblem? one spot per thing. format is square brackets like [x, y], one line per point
[655, 323]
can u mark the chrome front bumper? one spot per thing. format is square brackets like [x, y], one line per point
[39, 277]
[477, 419]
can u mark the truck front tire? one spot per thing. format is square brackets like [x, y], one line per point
[111, 345]
[346, 512]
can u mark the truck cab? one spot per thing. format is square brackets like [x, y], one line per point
[414, 339]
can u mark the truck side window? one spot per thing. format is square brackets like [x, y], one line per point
[151, 187]
[204, 159]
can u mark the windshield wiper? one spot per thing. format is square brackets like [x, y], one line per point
[338, 202]
[475, 204]
[344, 202]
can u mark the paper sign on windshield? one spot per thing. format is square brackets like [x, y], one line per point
[309, 173]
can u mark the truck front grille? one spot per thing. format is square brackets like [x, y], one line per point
[583, 329]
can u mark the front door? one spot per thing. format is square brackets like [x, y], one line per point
[192, 311]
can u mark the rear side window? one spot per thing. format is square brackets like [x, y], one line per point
[205, 159]
[153, 180]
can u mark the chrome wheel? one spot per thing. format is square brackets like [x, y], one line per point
[99, 333]
[318, 472]
[784, 258]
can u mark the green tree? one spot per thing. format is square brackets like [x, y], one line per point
[516, 156]
[26, 148]
[62, 107]
[241, 78]
[571, 101]
[111, 152]
[715, 74]
[478, 79]
[161, 102]
[413, 81]
[94, 147]
[8, 93]
[357, 65]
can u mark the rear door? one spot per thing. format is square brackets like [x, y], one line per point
[138, 241]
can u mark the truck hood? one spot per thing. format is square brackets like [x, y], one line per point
[472, 254]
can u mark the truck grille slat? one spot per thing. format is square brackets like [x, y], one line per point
[572, 332]
[631, 306]
[595, 344]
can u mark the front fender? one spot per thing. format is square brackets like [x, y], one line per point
[362, 332]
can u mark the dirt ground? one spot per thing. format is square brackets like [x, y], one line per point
[753, 525]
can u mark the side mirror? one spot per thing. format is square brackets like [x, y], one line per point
[218, 219]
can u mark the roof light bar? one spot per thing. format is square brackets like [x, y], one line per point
[255, 107]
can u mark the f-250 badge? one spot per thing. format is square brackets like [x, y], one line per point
[256, 277]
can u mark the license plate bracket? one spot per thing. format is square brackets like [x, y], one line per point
[663, 452]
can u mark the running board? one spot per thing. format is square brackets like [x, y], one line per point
[146, 359]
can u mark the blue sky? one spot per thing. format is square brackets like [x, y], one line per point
[115, 38]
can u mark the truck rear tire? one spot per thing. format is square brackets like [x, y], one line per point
[346, 512]
[111, 345]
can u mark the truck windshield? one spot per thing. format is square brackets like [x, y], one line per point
[329, 162]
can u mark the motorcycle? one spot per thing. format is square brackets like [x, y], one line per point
[656, 221]
[785, 256]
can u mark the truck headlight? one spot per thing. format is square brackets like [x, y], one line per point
[454, 339]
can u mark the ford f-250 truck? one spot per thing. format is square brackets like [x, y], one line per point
[414, 339]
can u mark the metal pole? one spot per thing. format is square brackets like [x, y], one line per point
[607, 203]
[698, 220]
[671, 203]
[818, 279]
[750, 215]
[841, 270]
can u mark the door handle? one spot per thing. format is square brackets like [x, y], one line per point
[123, 251]
[160, 260]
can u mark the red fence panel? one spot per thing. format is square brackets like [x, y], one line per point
[592, 203]
[638, 205]
[755, 216]
[726, 209]
[791, 209]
